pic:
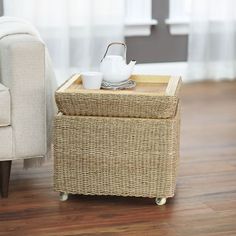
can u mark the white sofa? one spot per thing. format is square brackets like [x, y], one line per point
[23, 132]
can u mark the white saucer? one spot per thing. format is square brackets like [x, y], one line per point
[128, 84]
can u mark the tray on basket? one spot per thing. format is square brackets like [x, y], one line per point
[153, 97]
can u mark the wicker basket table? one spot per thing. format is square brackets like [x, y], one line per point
[123, 143]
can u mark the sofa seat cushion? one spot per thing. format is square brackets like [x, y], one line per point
[5, 106]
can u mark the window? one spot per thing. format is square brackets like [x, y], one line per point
[179, 14]
[138, 13]
[138, 17]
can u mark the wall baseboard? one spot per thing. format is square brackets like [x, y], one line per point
[169, 68]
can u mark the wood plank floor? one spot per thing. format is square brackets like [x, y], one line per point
[205, 201]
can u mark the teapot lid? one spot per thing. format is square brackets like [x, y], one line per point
[116, 57]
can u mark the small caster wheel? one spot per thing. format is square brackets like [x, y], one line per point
[160, 201]
[63, 197]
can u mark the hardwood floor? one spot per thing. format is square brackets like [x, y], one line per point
[205, 201]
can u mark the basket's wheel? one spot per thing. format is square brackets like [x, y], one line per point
[160, 201]
[63, 197]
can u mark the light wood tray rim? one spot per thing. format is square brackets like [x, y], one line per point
[173, 84]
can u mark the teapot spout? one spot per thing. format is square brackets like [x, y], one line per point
[132, 64]
[130, 67]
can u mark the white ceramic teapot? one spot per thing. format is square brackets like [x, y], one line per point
[114, 67]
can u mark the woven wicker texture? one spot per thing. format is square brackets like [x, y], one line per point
[154, 97]
[116, 156]
[116, 105]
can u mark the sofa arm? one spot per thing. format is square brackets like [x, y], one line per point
[5, 104]
[22, 68]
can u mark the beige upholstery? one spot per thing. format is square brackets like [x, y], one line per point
[22, 71]
[5, 104]
[6, 143]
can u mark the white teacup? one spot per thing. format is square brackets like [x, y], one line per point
[92, 80]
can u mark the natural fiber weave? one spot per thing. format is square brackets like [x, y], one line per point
[116, 105]
[116, 156]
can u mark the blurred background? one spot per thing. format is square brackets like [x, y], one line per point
[195, 39]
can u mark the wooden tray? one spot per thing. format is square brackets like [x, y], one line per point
[153, 97]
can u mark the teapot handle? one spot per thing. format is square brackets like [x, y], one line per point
[117, 43]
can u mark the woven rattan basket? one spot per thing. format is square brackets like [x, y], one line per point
[127, 151]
